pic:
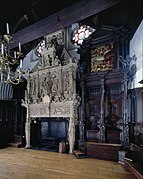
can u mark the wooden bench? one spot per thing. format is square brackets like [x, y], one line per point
[134, 160]
[105, 151]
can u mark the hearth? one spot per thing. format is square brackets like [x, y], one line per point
[47, 133]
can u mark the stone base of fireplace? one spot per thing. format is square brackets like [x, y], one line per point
[54, 148]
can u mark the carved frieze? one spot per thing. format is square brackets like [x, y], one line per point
[52, 109]
[39, 110]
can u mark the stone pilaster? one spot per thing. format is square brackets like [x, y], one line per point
[27, 132]
[71, 135]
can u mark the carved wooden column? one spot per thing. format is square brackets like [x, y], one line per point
[132, 116]
[125, 120]
[81, 142]
[102, 124]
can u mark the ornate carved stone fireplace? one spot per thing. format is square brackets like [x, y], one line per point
[51, 87]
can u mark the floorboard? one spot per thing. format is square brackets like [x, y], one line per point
[21, 163]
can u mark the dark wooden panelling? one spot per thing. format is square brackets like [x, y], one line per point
[7, 117]
[113, 136]
[92, 135]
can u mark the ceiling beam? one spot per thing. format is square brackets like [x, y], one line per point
[65, 17]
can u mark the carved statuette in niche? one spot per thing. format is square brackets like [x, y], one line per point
[46, 84]
[33, 84]
[94, 117]
[55, 48]
[69, 84]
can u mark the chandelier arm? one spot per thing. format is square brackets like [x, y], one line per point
[14, 83]
[14, 59]
[9, 62]
[17, 80]
[8, 59]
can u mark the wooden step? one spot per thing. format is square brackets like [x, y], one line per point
[79, 154]
[15, 144]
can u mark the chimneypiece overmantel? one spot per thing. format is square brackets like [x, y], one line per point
[51, 88]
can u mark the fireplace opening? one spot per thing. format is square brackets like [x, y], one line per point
[48, 133]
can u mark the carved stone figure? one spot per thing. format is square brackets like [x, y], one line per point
[43, 86]
[33, 86]
[49, 83]
[55, 85]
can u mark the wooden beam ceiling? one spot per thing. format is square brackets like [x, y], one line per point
[65, 17]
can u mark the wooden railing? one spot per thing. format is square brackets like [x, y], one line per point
[134, 161]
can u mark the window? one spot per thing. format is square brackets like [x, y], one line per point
[82, 33]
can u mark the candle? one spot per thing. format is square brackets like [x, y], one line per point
[15, 54]
[19, 47]
[20, 63]
[2, 49]
[7, 28]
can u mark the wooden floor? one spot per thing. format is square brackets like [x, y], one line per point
[21, 163]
